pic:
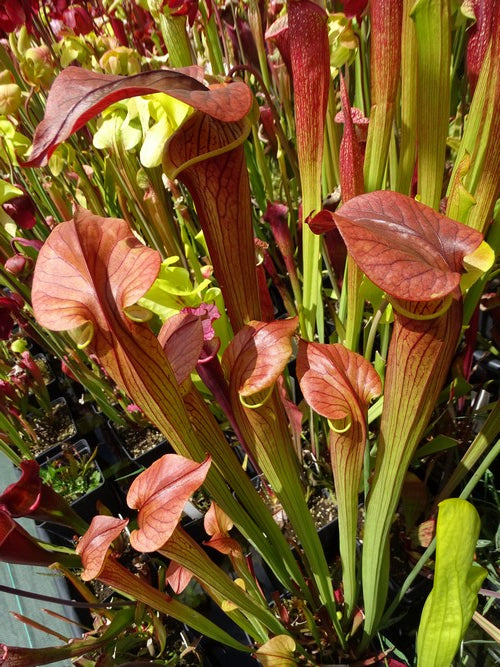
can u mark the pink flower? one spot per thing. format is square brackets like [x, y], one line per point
[19, 265]
[208, 313]
[354, 8]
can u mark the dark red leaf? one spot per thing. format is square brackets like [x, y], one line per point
[278, 33]
[321, 223]
[310, 58]
[479, 35]
[208, 156]
[18, 546]
[22, 497]
[21, 209]
[351, 156]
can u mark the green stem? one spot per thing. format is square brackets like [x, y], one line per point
[373, 329]
[354, 306]
[255, 22]
[262, 164]
[261, 530]
[312, 305]
[266, 432]
[214, 49]
[173, 30]
[182, 549]
[120, 579]
[481, 141]
[331, 166]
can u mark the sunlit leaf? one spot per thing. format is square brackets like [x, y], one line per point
[332, 377]
[261, 350]
[173, 290]
[8, 191]
[228, 605]
[80, 293]
[407, 249]
[277, 652]
[152, 148]
[216, 521]
[457, 579]
[94, 545]
[159, 494]
[181, 337]
[78, 94]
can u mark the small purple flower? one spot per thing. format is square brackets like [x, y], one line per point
[208, 312]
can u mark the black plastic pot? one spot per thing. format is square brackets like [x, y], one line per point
[221, 655]
[146, 458]
[86, 505]
[62, 420]
[43, 364]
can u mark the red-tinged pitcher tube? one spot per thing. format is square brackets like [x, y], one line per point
[310, 61]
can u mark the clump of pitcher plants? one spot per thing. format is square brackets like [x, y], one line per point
[266, 231]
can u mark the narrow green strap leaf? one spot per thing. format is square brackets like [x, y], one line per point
[457, 579]
[432, 24]
[409, 104]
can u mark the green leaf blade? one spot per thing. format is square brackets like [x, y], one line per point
[457, 579]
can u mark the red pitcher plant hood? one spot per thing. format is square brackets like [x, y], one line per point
[159, 494]
[408, 249]
[77, 95]
[18, 546]
[339, 385]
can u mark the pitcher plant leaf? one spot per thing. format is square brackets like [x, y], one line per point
[77, 95]
[160, 493]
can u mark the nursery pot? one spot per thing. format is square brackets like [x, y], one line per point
[85, 504]
[55, 428]
[142, 445]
